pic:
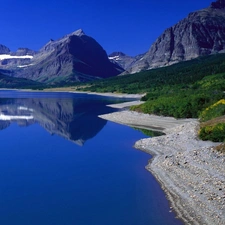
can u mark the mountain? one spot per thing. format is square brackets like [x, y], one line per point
[74, 57]
[200, 33]
[23, 52]
[14, 60]
[4, 49]
[124, 61]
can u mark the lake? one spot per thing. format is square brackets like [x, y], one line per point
[60, 164]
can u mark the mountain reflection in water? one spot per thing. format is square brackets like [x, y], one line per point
[75, 119]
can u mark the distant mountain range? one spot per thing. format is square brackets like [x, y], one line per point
[78, 57]
[74, 57]
[200, 33]
[123, 60]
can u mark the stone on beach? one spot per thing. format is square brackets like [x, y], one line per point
[190, 172]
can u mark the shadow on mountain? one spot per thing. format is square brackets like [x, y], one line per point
[75, 119]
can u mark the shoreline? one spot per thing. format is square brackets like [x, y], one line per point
[141, 120]
[106, 94]
[189, 171]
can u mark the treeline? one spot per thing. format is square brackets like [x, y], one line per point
[192, 89]
[182, 90]
[183, 73]
[184, 101]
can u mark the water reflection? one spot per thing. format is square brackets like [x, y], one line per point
[75, 119]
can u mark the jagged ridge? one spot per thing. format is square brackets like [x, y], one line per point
[201, 33]
[75, 57]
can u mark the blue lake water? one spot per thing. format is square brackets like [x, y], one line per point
[62, 165]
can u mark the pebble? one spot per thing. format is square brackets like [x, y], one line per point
[202, 177]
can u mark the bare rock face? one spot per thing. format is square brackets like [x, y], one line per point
[13, 60]
[23, 52]
[122, 59]
[125, 61]
[219, 4]
[75, 57]
[4, 49]
[201, 33]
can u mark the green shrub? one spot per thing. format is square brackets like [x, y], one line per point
[181, 105]
[215, 110]
[214, 133]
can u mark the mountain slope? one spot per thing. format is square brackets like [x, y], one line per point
[75, 57]
[182, 73]
[179, 90]
[201, 33]
[4, 49]
[122, 59]
[12, 82]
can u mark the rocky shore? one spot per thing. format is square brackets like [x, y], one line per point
[190, 171]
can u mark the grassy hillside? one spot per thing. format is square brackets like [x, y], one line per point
[180, 90]
[213, 122]
[154, 80]
[194, 88]
[185, 100]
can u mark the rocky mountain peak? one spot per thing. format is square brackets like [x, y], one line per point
[201, 33]
[78, 33]
[52, 44]
[121, 59]
[4, 49]
[117, 54]
[74, 57]
[219, 4]
[23, 52]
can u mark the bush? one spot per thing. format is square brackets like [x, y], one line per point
[181, 105]
[215, 110]
[214, 133]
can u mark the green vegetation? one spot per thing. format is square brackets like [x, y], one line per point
[215, 110]
[185, 101]
[188, 89]
[162, 80]
[213, 122]
[181, 90]
[214, 133]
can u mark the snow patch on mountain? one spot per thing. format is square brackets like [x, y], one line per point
[115, 58]
[23, 66]
[8, 117]
[4, 56]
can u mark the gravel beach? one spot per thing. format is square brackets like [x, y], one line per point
[190, 172]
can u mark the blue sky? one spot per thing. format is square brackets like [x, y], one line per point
[130, 26]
